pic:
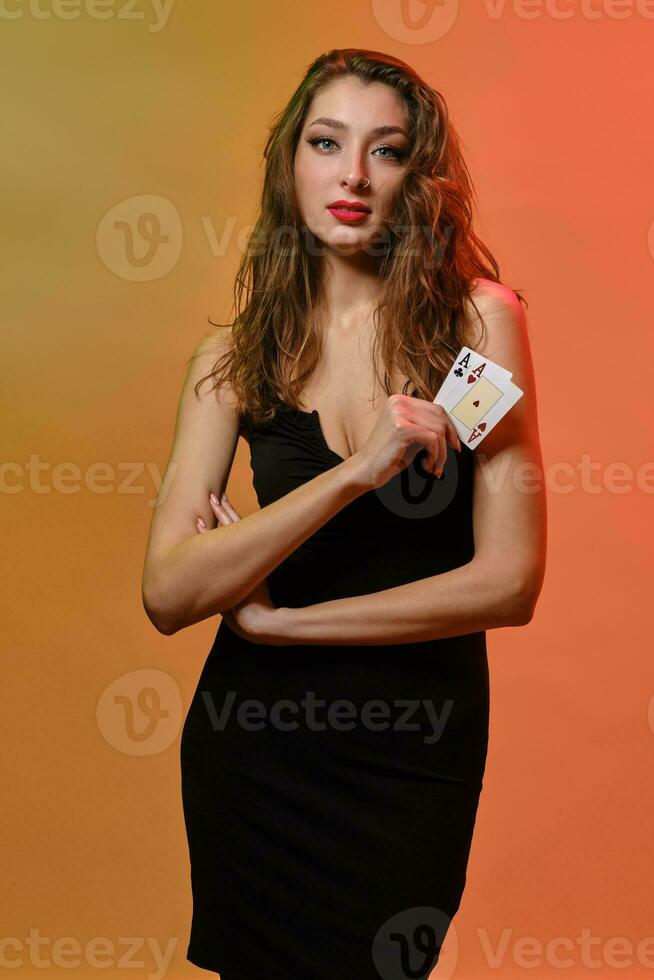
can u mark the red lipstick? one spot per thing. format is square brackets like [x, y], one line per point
[348, 210]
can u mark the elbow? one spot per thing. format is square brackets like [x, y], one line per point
[168, 615]
[523, 613]
[161, 614]
[522, 603]
[164, 626]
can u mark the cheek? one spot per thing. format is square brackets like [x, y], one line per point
[311, 186]
[303, 200]
[303, 181]
[387, 197]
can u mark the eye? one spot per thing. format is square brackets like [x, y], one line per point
[397, 153]
[320, 139]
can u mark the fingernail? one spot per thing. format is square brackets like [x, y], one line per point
[213, 497]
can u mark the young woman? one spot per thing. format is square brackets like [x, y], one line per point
[332, 756]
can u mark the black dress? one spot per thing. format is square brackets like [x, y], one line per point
[330, 792]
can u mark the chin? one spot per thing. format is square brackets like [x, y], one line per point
[348, 236]
[349, 247]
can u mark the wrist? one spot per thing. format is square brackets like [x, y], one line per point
[355, 475]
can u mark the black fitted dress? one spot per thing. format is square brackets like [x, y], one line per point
[330, 792]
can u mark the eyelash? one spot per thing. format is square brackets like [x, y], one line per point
[399, 154]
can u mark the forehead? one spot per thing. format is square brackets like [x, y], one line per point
[359, 104]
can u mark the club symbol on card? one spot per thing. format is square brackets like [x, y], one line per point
[459, 372]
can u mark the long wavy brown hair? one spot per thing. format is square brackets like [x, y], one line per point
[428, 262]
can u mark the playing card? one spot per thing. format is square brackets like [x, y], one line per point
[468, 361]
[477, 399]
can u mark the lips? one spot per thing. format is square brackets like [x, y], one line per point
[348, 206]
[349, 211]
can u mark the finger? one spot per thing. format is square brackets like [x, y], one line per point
[228, 508]
[440, 454]
[454, 440]
[452, 434]
[437, 452]
[439, 446]
[426, 414]
[219, 511]
[428, 436]
[200, 525]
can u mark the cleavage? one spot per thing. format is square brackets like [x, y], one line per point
[333, 432]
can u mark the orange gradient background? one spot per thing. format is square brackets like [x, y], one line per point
[553, 103]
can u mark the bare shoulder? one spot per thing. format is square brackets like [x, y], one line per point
[505, 340]
[217, 340]
[505, 333]
[208, 351]
[494, 301]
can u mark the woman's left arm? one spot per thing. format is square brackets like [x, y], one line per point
[501, 584]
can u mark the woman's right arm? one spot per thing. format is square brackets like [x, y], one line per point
[187, 576]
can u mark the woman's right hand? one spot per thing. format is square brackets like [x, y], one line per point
[405, 427]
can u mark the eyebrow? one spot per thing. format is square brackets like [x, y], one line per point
[377, 131]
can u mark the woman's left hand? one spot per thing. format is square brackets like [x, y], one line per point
[255, 618]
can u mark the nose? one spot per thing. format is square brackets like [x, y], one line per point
[358, 181]
[355, 175]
